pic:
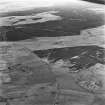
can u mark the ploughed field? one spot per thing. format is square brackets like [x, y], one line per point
[81, 54]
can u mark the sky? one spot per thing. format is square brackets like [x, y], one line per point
[18, 5]
[14, 5]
